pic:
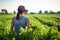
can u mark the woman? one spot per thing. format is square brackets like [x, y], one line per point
[19, 20]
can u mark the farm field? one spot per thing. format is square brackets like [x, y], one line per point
[42, 27]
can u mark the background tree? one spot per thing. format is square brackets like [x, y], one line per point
[26, 11]
[46, 12]
[51, 12]
[4, 11]
[32, 13]
[58, 12]
[14, 12]
[40, 11]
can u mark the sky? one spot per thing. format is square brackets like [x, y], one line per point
[30, 5]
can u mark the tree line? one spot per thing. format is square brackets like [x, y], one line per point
[51, 12]
[4, 11]
[46, 12]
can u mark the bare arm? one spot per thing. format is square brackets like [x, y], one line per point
[11, 28]
[28, 23]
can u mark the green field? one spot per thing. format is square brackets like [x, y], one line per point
[43, 27]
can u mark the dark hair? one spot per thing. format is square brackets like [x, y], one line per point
[21, 9]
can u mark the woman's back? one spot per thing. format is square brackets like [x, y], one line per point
[21, 22]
